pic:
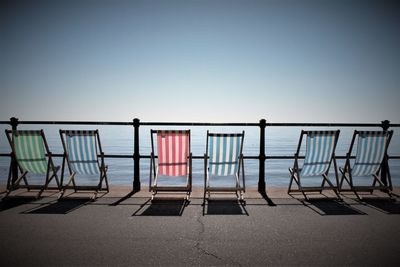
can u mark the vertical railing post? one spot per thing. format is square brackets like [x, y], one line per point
[385, 126]
[136, 156]
[14, 167]
[261, 179]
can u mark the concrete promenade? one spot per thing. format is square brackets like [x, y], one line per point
[278, 230]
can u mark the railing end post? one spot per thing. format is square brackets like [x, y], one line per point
[261, 178]
[385, 125]
[14, 167]
[14, 122]
[136, 156]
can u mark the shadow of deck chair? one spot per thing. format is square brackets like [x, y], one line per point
[174, 162]
[224, 158]
[320, 152]
[370, 160]
[31, 153]
[84, 156]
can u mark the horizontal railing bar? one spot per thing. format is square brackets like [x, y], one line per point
[198, 124]
[197, 157]
[76, 122]
[272, 124]
[328, 125]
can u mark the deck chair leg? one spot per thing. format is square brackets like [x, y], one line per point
[242, 198]
[290, 182]
[39, 194]
[58, 182]
[204, 197]
[23, 176]
[71, 180]
[95, 195]
[322, 186]
[332, 187]
[341, 182]
[107, 186]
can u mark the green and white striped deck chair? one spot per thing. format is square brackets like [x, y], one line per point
[84, 156]
[370, 157]
[32, 155]
[320, 152]
[224, 158]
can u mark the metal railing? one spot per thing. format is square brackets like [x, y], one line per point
[136, 123]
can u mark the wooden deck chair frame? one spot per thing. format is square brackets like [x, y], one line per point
[347, 170]
[98, 162]
[239, 188]
[154, 188]
[295, 171]
[44, 153]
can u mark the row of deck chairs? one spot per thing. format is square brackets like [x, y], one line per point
[223, 158]
[370, 160]
[83, 155]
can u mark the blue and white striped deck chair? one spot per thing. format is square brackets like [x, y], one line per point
[370, 160]
[84, 156]
[32, 155]
[224, 158]
[320, 152]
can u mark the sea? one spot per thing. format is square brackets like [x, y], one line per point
[280, 141]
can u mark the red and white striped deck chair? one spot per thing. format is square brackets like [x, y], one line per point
[174, 162]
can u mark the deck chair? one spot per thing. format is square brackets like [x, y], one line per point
[319, 154]
[224, 158]
[84, 156]
[174, 159]
[31, 153]
[371, 156]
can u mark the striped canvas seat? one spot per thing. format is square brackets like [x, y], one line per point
[173, 152]
[173, 160]
[319, 154]
[370, 152]
[84, 157]
[224, 151]
[31, 153]
[224, 158]
[370, 161]
[82, 152]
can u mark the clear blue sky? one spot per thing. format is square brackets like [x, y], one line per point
[194, 60]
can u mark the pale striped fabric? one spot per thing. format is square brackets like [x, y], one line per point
[30, 151]
[224, 152]
[319, 151]
[173, 152]
[370, 152]
[82, 152]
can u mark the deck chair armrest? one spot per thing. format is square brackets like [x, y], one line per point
[205, 166]
[190, 168]
[243, 175]
[296, 162]
[151, 170]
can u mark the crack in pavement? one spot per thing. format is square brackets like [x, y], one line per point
[197, 245]
[204, 251]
